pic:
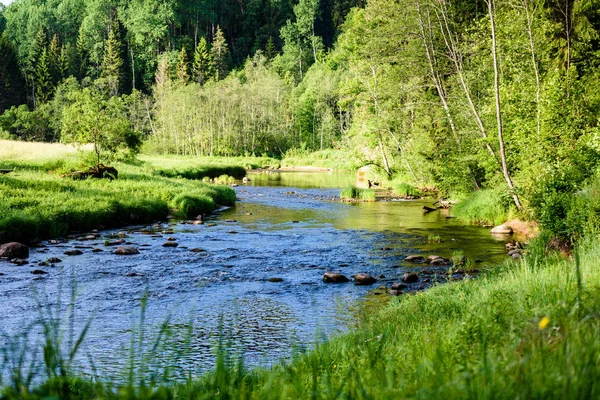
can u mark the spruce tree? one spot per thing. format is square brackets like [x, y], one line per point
[43, 78]
[54, 60]
[81, 56]
[270, 51]
[220, 55]
[63, 62]
[202, 63]
[182, 68]
[112, 63]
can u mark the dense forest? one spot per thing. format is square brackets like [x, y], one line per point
[461, 95]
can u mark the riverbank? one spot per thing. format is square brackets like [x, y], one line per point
[528, 330]
[37, 203]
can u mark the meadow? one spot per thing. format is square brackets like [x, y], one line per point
[37, 203]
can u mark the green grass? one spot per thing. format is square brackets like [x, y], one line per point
[352, 192]
[405, 190]
[37, 204]
[484, 207]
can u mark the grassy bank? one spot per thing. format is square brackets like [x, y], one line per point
[530, 330]
[36, 203]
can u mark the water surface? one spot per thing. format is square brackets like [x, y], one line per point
[284, 226]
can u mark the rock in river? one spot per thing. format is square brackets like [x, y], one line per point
[126, 250]
[333, 277]
[14, 250]
[415, 259]
[410, 277]
[502, 230]
[73, 252]
[170, 244]
[399, 286]
[364, 279]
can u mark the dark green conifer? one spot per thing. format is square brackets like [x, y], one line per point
[220, 55]
[201, 67]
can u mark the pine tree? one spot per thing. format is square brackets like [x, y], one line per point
[43, 78]
[182, 67]
[220, 55]
[54, 60]
[112, 63]
[202, 62]
[270, 51]
[63, 62]
[81, 54]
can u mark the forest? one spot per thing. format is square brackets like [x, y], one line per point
[460, 96]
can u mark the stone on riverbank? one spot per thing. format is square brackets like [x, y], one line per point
[14, 250]
[502, 230]
[333, 277]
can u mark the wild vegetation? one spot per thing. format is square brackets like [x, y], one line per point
[37, 204]
[492, 103]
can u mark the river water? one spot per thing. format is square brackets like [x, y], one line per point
[284, 226]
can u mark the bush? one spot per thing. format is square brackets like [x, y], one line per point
[190, 205]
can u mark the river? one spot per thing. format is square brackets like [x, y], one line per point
[284, 226]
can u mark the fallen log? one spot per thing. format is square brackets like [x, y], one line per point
[98, 171]
[6, 171]
[428, 209]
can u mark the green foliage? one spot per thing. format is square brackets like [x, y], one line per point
[190, 206]
[91, 118]
[202, 65]
[201, 171]
[219, 54]
[406, 190]
[484, 207]
[112, 62]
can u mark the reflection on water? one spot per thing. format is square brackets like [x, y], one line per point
[287, 230]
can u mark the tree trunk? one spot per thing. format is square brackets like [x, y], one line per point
[498, 111]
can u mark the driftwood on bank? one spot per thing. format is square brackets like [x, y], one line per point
[97, 171]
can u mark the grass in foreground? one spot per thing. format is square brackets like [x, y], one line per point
[530, 330]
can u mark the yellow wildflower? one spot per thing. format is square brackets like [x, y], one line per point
[543, 323]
